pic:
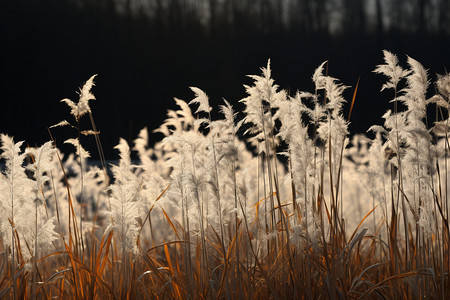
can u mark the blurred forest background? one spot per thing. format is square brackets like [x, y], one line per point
[148, 51]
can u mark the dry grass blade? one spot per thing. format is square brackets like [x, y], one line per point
[224, 222]
[353, 99]
[362, 221]
[100, 267]
[170, 223]
[151, 208]
[348, 248]
[357, 280]
[380, 284]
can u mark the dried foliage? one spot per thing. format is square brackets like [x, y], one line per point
[198, 215]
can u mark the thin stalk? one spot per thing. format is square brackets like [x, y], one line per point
[99, 149]
[308, 259]
[185, 244]
[13, 231]
[187, 239]
[34, 279]
[269, 167]
[236, 222]
[81, 189]
[266, 222]
[293, 191]
[255, 255]
[284, 222]
[400, 174]
[333, 198]
[204, 261]
[219, 208]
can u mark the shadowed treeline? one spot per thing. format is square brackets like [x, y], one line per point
[148, 51]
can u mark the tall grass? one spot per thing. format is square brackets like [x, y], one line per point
[199, 215]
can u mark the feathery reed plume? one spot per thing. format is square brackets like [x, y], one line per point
[226, 223]
[125, 203]
[261, 100]
[77, 110]
[42, 158]
[15, 189]
[82, 106]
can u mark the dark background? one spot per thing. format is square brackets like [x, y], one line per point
[146, 52]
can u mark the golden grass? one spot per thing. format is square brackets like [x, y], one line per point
[345, 263]
[361, 267]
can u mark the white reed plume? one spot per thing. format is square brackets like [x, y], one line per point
[125, 203]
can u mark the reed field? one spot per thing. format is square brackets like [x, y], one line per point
[277, 201]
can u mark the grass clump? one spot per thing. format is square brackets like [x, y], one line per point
[201, 216]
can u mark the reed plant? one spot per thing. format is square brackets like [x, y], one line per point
[240, 208]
